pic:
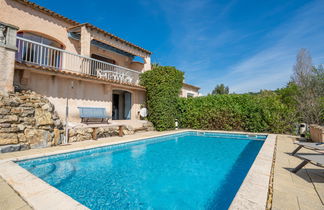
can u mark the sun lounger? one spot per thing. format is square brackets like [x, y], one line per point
[315, 159]
[308, 145]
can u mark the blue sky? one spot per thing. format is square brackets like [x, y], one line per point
[247, 45]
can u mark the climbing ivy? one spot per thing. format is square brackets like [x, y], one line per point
[163, 85]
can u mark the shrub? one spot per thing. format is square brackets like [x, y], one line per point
[163, 84]
[267, 111]
[254, 113]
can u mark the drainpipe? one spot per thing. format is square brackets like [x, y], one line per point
[66, 140]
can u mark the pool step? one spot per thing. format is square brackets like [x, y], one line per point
[62, 172]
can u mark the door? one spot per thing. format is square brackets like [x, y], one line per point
[115, 107]
[128, 105]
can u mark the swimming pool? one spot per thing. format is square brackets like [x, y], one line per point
[190, 170]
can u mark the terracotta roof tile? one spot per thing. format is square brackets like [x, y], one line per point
[189, 85]
[111, 35]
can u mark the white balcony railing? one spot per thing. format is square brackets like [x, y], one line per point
[47, 56]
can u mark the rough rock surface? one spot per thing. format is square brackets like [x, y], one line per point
[27, 120]
[81, 134]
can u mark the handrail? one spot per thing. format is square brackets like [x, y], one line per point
[71, 53]
[44, 55]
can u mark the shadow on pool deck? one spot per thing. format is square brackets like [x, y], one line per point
[317, 175]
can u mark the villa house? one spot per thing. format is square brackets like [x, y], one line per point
[188, 91]
[61, 58]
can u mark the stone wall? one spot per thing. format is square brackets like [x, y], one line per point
[28, 120]
[81, 134]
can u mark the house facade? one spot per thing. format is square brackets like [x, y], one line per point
[188, 91]
[63, 59]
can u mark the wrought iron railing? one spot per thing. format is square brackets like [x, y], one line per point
[44, 55]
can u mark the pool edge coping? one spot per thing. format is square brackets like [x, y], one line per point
[253, 192]
[39, 194]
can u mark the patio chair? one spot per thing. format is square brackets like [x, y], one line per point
[315, 159]
[308, 145]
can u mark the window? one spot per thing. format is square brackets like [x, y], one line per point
[190, 95]
[39, 54]
[39, 39]
[104, 59]
[94, 65]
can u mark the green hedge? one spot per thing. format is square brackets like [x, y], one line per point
[163, 84]
[264, 112]
[254, 113]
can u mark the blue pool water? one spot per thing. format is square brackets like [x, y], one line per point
[190, 170]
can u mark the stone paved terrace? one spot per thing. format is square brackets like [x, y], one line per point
[9, 199]
[302, 191]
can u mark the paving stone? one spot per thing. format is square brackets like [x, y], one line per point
[295, 191]
[13, 202]
[9, 199]
[26, 207]
[283, 200]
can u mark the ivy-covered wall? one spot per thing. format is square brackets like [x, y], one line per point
[163, 84]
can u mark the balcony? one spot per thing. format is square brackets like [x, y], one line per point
[35, 53]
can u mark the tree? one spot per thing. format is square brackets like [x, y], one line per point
[288, 94]
[310, 84]
[220, 89]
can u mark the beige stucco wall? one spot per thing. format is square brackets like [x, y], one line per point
[85, 41]
[84, 93]
[137, 66]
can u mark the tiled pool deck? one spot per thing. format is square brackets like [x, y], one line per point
[302, 192]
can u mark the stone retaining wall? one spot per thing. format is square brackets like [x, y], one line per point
[28, 120]
[81, 134]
